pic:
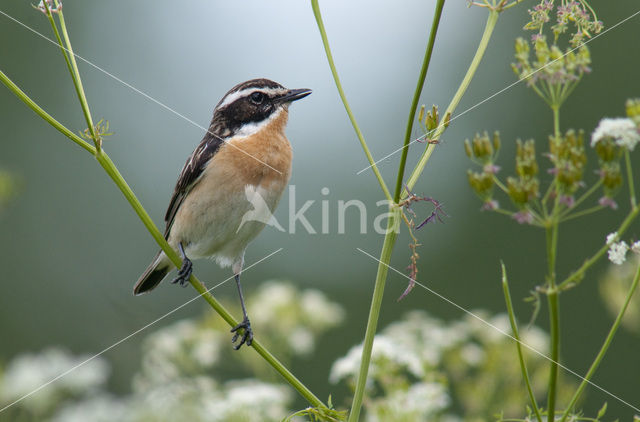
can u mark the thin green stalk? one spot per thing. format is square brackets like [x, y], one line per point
[582, 213]
[482, 47]
[416, 98]
[516, 335]
[576, 276]
[44, 115]
[556, 120]
[114, 174]
[554, 317]
[603, 349]
[552, 300]
[77, 80]
[632, 190]
[374, 312]
[343, 97]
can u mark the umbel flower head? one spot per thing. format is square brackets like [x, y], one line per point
[611, 139]
[552, 73]
[622, 130]
[577, 14]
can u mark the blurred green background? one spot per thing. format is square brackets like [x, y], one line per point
[72, 247]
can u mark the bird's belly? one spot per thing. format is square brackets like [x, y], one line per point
[222, 223]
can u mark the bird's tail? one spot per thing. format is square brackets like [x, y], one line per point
[153, 275]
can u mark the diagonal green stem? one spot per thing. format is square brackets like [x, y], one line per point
[603, 349]
[416, 97]
[516, 335]
[114, 174]
[482, 47]
[343, 97]
[44, 115]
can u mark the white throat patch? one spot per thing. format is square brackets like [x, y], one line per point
[249, 129]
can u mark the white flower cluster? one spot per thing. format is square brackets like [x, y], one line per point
[181, 349]
[417, 353]
[297, 317]
[420, 402]
[623, 131]
[29, 372]
[618, 250]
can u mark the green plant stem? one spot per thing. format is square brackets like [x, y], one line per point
[603, 349]
[75, 74]
[114, 174]
[554, 317]
[477, 58]
[632, 190]
[576, 276]
[44, 115]
[516, 335]
[416, 97]
[343, 97]
[556, 120]
[583, 213]
[374, 312]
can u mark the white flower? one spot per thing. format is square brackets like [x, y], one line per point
[29, 372]
[472, 354]
[321, 312]
[611, 237]
[385, 350]
[635, 248]
[101, 408]
[623, 131]
[301, 341]
[618, 252]
[421, 401]
[249, 400]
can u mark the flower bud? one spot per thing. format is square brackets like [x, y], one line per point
[496, 141]
[481, 183]
[633, 110]
[421, 113]
[526, 164]
[569, 158]
[522, 190]
[611, 178]
[467, 148]
[607, 150]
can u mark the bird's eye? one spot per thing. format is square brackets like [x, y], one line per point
[257, 97]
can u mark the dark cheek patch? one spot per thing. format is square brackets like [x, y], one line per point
[240, 112]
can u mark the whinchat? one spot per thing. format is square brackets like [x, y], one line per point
[245, 146]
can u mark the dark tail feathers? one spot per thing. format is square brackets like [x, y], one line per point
[152, 276]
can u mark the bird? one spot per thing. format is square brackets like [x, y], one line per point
[244, 150]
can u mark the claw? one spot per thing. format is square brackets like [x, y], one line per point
[185, 270]
[247, 335]
[184, 273]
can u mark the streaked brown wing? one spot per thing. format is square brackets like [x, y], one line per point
[190, 175]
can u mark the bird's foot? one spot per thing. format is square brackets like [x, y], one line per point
[247, 334]
[184, 272]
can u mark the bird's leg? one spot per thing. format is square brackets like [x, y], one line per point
[245, 325]
[185, 271]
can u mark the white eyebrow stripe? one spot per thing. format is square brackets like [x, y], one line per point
[248, 91]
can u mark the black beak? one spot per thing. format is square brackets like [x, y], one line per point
[295, 94]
